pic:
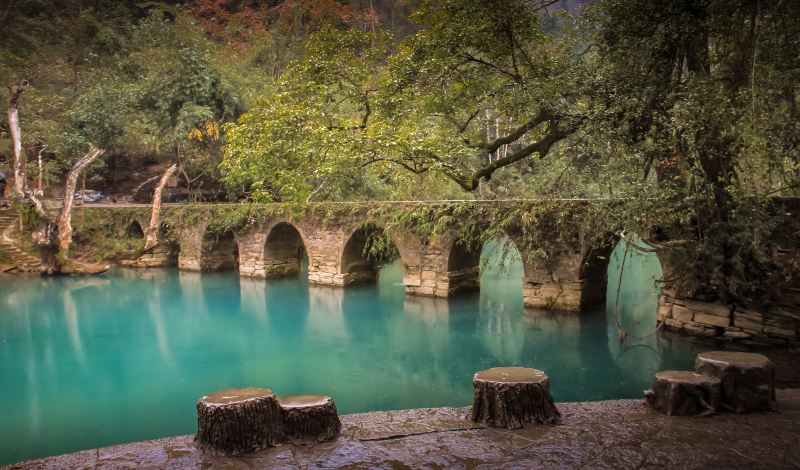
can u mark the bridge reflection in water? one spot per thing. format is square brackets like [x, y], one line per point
[123, 357]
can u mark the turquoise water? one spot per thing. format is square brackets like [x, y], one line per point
[89, 362]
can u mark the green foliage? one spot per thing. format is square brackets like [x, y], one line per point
[436, 105]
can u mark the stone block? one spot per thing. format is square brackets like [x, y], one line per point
[711, 320]
[709, 308]
[737, 335]
[426, 290]
[682, 314]
[747, 325]
[674, 323]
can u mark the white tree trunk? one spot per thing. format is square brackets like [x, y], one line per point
[65, 219]
[152, 230]
[16, 138]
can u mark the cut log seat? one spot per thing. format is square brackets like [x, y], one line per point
[239, 420]
[310, 417]
[509, 397]
[748, 379]
[682, 393]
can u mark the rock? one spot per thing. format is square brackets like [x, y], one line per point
[748, 379]
[709, 308]
[737, 335]
[239, 420]
[512, 396]
[712, 320]
[310, 418]
[682, 393]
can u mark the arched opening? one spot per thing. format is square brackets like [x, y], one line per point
[501, 271]
[463, 267]
[284, 252]
[368, 250]
[134, 230]
[220, 252]
[633, 289]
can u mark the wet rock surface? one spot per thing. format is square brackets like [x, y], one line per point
[607, 434]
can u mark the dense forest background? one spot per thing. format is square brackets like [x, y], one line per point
[687, 110]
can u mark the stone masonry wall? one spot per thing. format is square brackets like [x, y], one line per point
[776, 326]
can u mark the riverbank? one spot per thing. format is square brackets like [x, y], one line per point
[605, 434]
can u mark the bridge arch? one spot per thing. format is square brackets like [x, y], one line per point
[368, 248]
[219, 251]
[134, 230]
[283, 251]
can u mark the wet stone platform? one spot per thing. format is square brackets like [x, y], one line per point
[607, 434]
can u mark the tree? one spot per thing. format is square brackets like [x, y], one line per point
[481, 88]
[20, 162]
[702, 93]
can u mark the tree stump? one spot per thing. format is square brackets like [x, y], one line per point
[511, 396]
[310, 417]
[748, 380]
[682, 393]
[239, 420]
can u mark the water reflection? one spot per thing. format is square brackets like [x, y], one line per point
[132, 351]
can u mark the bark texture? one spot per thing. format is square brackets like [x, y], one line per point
[748, 379]
[65, 218]
[310, 418]
[239, 420]
[152, 230]
[20, 162]
[684, 393]
[509, 397]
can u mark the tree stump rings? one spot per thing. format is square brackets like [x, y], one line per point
[748, 379]
[239, 420]
[511, 396]
[310, 417]
[682, 393]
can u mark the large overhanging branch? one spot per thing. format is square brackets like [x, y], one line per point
[541, 147]
[543, 116]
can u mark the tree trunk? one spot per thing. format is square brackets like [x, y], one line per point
[152, 230]
[310, 418]
[512, 396]
[748, 379]
[20, 162]
[683, 393]
[239, 420]
[65, 219]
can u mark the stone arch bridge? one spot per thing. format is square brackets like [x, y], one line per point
[565, 253]
[571, 276]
